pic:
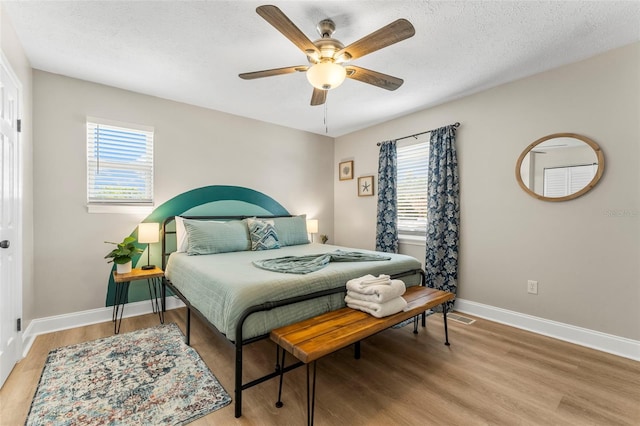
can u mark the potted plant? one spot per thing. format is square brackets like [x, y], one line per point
[123, 254]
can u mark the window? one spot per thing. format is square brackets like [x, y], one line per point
[413, 167]
[119, 163]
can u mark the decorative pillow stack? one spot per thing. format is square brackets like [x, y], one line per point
[263, 234]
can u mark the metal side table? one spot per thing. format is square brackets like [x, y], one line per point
[154, 282]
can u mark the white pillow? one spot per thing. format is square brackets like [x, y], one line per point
[182, 239]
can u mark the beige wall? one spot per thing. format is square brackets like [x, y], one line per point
[584, 253]
[194, 147]
[14, 53]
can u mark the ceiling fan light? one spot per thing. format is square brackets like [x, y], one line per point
[326, 75]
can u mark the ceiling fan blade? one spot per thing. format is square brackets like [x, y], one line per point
[318, 97]
[386, 36]
[373, 77]
[280, 22]
[272, 72]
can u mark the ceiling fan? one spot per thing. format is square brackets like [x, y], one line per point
[326, 55]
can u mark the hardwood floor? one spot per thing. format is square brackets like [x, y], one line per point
[490, 375]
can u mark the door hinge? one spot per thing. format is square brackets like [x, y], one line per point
[19, 125]
[19, 324]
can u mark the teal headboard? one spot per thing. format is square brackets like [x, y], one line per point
[215, 200]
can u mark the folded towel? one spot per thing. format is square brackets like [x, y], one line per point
[358, 281]
[380, 279]
[377, 293]
[361, 284]
[378, 310]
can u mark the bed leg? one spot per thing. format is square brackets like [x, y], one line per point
[238, 390]
[277, 358]
[188, 336]
[444, 317]
[279, 403]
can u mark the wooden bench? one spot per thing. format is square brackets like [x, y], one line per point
[316, 337]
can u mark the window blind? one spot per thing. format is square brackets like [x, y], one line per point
[119, 164]
[412, 166]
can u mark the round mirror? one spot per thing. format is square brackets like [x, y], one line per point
[560, 167]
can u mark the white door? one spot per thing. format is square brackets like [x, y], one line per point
[10, 235]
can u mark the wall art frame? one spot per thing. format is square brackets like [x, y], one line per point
[365, 186]
[345, 170]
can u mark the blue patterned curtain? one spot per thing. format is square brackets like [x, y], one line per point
[387, 226]
[443, 212]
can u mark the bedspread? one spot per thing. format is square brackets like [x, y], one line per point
[222, 286]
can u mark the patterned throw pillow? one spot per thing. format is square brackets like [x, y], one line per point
[263, 235]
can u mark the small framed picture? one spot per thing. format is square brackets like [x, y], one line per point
[346, 170]
[365, 186]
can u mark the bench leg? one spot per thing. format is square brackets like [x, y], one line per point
[356, 347]
[280, 366]
[444, 317]
[415, 324]
[311, 393]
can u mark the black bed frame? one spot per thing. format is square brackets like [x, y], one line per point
[266, 306]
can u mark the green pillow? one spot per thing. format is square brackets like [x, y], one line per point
[207, 237]
[292, 231]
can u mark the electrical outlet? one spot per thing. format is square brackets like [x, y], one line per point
[532, 287]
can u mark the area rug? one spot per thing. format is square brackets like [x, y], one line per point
[146, 377]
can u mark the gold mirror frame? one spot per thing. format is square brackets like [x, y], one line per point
[587, 188]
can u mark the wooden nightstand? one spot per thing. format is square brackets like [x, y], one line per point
[154, 282]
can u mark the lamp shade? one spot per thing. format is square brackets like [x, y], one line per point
[149, 232]
[312, 226]
[326, 75]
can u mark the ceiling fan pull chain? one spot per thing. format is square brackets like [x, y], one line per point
[326, 125]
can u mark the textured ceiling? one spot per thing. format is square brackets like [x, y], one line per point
[193, 51]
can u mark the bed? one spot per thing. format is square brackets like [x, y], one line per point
[210, 265]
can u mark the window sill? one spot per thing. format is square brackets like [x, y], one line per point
[414, 240]
[119, 209]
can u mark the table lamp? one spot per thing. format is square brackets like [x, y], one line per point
[312, 227]
[148, 233]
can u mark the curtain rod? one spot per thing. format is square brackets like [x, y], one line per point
[456, 125]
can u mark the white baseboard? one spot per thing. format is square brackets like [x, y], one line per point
[79, 319]
[609, 343]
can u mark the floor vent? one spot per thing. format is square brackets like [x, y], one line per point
[460, 318]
